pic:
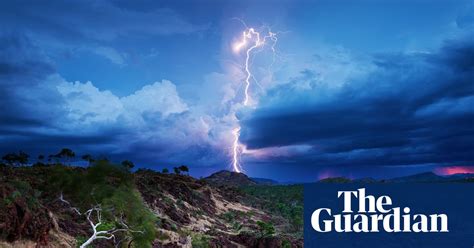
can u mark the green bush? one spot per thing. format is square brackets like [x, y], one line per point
[286, 244]
[80, 240]
[228, 216]
[265, 229]
[200, 241]
[112, 188]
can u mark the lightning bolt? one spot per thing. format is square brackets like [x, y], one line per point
[236, 150]
[251, 40]
[247, 36]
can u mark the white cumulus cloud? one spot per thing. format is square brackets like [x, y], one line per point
[86, 104]
[159, 97]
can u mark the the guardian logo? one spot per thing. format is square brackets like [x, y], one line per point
[375, 215]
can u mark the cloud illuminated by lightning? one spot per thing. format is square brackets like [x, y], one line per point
[251, 39]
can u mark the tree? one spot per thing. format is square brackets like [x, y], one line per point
[128, 164]
[165, 171]
[109, 195]
[177, 171]
[88, 158]
[39, 161]
[65, 153]
[16, 159]
[102, 229]
[184, 168]
[23, 158]
[10, 158]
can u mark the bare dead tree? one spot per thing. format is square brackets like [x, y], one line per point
[102, 234]
[61, 198]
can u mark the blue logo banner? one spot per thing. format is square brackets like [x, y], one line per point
[389, 215]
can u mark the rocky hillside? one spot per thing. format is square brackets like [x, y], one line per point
[229, 178]
[205, 212]
[182, 211]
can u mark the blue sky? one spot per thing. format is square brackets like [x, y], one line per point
[359, 88]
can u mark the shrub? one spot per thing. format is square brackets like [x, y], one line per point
[200, 241]
[113, 189]
[265, 229]
[286, 244]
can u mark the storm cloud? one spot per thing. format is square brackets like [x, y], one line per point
[411, 109]
[41, 112]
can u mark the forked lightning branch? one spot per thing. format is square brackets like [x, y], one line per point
[250, 41]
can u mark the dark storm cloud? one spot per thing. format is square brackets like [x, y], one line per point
[91, 20]
[36, 118]
[69, 29]
[30, 109]
[22, 69]
[20, 59]
[412, 109]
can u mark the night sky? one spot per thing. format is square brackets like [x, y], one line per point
[355, 88]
